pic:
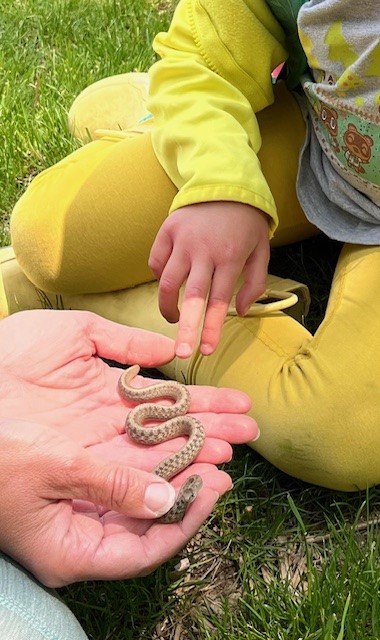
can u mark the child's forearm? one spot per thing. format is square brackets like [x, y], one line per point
[204, 95]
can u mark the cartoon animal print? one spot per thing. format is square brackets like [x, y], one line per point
[329, 118]
[358, 148]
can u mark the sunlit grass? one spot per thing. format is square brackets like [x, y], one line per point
[278, 559]
[49, 52]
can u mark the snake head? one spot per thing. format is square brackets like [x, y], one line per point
[186, 495]
[191, 488]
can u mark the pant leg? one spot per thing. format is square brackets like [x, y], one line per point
[87, 224]
[29, 611]
[316, 398]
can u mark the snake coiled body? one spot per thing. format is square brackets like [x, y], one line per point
[174, 422]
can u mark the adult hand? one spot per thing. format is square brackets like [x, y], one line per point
[75, 494]
[209, 245]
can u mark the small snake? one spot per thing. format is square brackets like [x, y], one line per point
[175, 423]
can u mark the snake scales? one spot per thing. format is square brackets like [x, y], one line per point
[174, 422]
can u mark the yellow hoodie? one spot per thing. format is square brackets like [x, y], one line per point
[205, 92]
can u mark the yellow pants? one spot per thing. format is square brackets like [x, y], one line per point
[84, 229]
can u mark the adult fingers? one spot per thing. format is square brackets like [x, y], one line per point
[115, 486]
[155, 543]
[126, 344]
[218, 399]
[159, 542]
[207, 397]
[135, 549]
[228, 428]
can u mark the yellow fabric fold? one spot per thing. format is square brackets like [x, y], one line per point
[208, 83]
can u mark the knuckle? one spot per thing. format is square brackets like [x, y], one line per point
[168, 285]
[154, 264]
[123, 488]
[217, 300]
[229, 252]
[195, 291]
[187, 327]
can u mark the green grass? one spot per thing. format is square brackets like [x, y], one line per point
[278, 559]
[49, 52]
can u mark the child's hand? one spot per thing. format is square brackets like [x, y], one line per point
[210, 245]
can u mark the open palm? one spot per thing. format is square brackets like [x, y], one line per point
[73, 486]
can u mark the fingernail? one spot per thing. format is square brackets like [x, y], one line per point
[159, 497]
[257, 436]
[206, 349]
[183, 350]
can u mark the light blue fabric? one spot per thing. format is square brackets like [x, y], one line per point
[29, 611]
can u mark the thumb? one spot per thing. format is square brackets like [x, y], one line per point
[135, 493]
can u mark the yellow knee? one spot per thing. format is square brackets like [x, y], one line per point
[87, 224]
[318, 412]
[336, 457]
[47, 244]
[114, 103]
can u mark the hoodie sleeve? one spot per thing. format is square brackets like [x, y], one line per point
[213, 76]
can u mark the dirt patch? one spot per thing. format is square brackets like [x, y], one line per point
[203, 583]
[164, 6]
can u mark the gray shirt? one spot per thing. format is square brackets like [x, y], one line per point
[339, 175]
